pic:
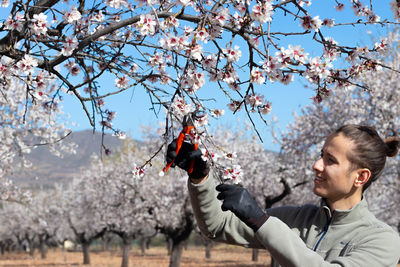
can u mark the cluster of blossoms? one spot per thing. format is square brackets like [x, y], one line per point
[146, 25]
[70, 44]
[72, 15]
[73, 68]
[39, 24]
[310, 23]
[15, 23]
[179, 107]
[138, 172]
[192, 81]
[122, 82]
[26, 65]
[360, 10]
[262, 12]
[234, 173]
[317, 70]
[382, 46]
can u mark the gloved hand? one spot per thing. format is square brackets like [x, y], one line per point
[185, 155]
[238, 200]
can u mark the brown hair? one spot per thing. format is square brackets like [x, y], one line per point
[370, 151]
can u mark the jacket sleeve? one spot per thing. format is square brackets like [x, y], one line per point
[284, 245]
[380, 249]
[222, 226]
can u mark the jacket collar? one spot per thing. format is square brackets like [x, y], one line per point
[357, 212]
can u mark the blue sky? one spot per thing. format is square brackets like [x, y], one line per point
[134, 109]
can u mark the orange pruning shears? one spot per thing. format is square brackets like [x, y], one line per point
[188, 130]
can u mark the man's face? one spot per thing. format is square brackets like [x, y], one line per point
[334, 180]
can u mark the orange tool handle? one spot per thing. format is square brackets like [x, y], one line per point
[192, 162]
[179, 142]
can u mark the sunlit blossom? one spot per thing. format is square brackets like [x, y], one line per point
[122, 82]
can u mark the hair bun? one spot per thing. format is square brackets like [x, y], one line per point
[392, 144]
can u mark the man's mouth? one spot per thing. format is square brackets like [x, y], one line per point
[318, 179]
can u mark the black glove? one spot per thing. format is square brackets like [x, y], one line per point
[238, 200]
[185, 155]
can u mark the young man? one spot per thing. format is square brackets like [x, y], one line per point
[339, 232]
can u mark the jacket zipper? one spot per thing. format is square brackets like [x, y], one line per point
[323, 234]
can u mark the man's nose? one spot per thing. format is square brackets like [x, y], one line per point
[319, 165]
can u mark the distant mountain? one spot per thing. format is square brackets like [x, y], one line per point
[49, 169]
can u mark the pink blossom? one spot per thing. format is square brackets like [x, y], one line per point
[116, 3]
[195, 52]
[286, 79]
[339, 7]
[138, 172]
[297, 53]
[331, 51]
[98, 17]
[27, 64]
[234, 105]
[179, 106]
[232, 54]
[221, 17]
[4, 70]
[156, 60]
[234, 173]
[317, 69]
[170, 22]
[39, 24]
[75, 70]
[122, 82]
[217, 112]
[254, 100]
[382, 46]
[70, 44]
[234, 86]
[328, 22]
[309, 23]
[134, 68]
[210, 62]
[120, 135]
[201, 121]
[272, 65]
[257, 76]
[72, 15]
[395, 7]
[302, 2]
[266, 108]
[146, 25]
[202, 35]
[215, 31]
[241, 8]
[5, 3]
[14, 24]
[230, 76]
[262, 12]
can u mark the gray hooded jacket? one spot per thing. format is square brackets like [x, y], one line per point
[302, 236]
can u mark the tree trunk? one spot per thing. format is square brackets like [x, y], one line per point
[169, 245]
[43, 249]
[31, 247]
[254, 254]
[85, 251]
[208, 246]
[126, 246]
[144, 244]
[176, 253]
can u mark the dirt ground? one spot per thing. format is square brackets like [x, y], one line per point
[221, 256]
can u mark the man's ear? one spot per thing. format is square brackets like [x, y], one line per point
[362, 178]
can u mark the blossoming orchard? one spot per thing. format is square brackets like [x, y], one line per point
[181, 54]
